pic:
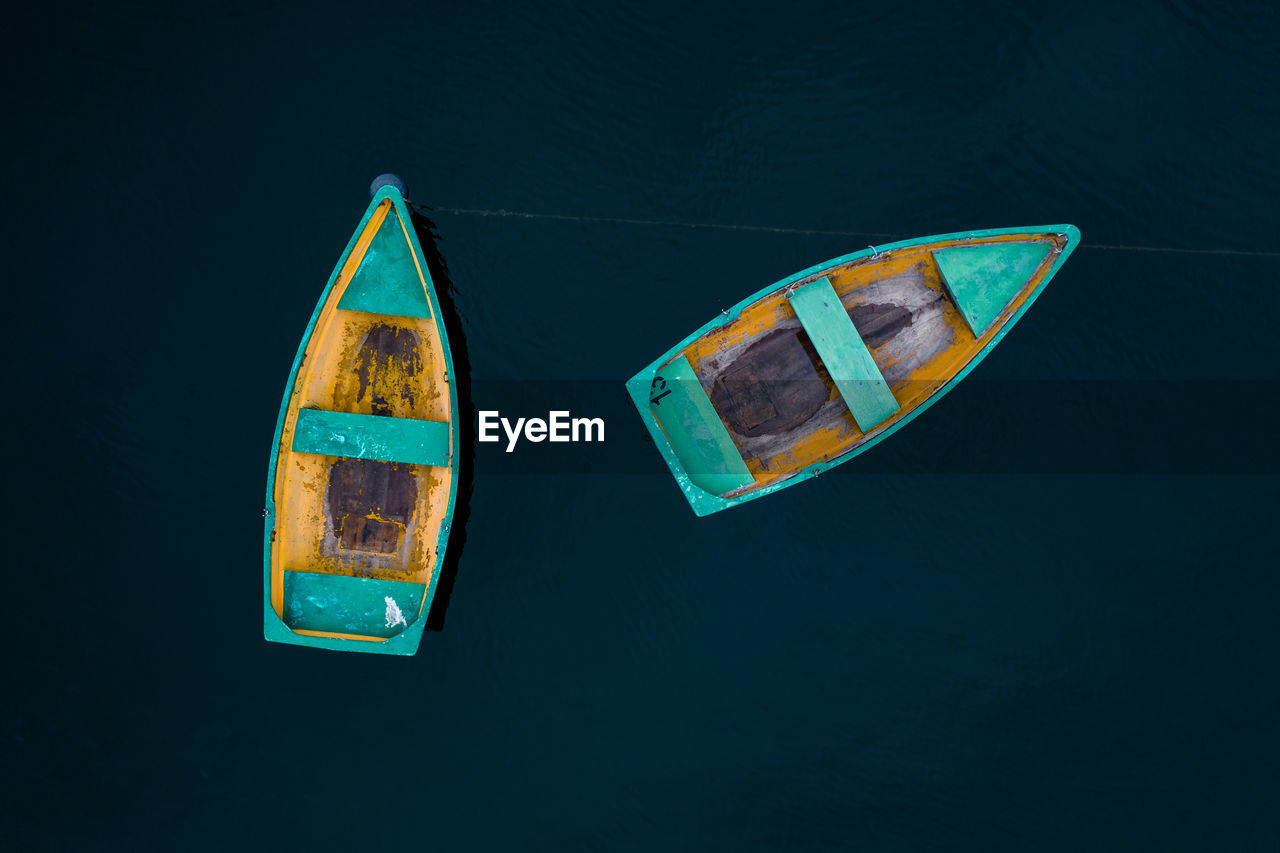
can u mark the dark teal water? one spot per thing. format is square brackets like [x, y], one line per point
[1042, 617]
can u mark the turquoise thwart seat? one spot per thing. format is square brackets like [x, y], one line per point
[985, 278]
[697, 435]
[388, 280]
[342, 604]
[372, 437]
[843, 353]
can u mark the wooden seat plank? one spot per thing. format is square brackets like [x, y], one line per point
[843, 353]
[696, 432]
[372, 437]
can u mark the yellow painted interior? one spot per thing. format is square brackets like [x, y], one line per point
[338, 635]
[847, 279]
[304, 539]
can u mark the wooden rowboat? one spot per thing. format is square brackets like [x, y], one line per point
[815, 369]
[361, 486]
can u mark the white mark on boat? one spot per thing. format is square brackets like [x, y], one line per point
[394, 616]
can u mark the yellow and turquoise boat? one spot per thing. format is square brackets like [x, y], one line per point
[814, 369]
[362, 481]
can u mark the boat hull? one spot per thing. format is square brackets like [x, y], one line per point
[361, 483]
[794, 388]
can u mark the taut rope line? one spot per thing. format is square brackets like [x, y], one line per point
[673, 223]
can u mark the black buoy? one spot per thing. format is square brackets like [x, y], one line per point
[390, 179]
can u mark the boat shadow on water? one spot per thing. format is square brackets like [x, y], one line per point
[429, 239]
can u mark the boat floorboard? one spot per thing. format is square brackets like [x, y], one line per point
[366, 517]
[771, 389]
[370, 504]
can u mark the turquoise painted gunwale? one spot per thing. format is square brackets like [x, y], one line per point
[406, 642]
[703, 502]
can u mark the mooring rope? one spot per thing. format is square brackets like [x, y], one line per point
[675, 223]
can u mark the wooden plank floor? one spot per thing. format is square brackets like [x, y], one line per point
[774, 394]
